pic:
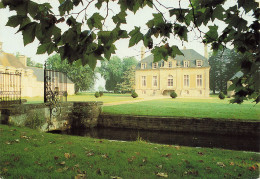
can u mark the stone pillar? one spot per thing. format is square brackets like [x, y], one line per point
[85, 114]
[206, 55]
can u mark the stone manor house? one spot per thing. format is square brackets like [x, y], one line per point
[32, 78]
[188, 75]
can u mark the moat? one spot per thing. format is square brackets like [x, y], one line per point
[244, 143]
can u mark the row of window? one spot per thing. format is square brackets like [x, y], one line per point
[186, 81]
[170, 64]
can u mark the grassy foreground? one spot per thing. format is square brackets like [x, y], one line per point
[189, 107]
[26, 153]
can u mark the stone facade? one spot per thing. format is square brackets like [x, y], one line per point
[187, 75]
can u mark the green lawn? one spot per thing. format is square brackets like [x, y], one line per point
[188, 107]
[26, 153]
[106, 98]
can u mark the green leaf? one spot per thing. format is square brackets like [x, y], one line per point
[175, 51]
[158, 19]
[212, 34]
[32, 8]
[95, 21]
[108, 50]
[65, 6]
[136, 36]
[29, 33]
[99, 4]
[14, 21]
[92, 61]
[119, 18]
[43, 48]
[218, 13]
[160, 53]
[248, 5]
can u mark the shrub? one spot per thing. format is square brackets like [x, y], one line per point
[173, 94]
[101, 93]
[97, 94]
[134, 95]
[221, 95]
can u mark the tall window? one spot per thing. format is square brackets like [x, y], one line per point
[186, 80]
[154, 80]
[170, 64]
[143, 65]
[170, 80]
[154, 65]
[199, 80]
[143, 80]
[162, 64]
[186, 63]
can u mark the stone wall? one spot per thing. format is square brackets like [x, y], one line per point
[37, 116]
[181, 124]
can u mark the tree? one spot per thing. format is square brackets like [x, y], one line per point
[93, 43]
[31, 63]
[223, 66]
[128, 80]
[114, 69]
[82, 76]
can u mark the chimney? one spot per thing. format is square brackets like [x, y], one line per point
[142, 52]
[23, 59]
[206, 55]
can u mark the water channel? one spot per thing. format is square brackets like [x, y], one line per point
[244, 143]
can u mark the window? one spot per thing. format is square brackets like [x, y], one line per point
[186, 80]
[163, 63]
[199, 80]
[170, 64]
[186, 63]
[143, 80]
[199, 63]
[155, 65]
[170, 80]
[143, 65]
[154, 80]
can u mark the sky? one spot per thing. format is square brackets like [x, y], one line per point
[13, 42]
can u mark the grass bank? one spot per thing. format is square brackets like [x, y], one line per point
[86, 96]
[25, 153]
[189, 107]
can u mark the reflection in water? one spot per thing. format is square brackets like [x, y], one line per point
[171, 138]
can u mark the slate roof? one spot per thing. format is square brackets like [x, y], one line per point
[189, 54]
[7, 59]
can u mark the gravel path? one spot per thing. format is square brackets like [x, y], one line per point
[136, 101]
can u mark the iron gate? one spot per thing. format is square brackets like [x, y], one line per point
[55, 89]
[10, 88]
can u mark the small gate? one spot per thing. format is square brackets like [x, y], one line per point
[55, 89]
[10, 88]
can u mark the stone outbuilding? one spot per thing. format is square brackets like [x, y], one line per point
[32, 78]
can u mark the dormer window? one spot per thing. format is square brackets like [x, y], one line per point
[170, 64]
[143, 65]
[186, 63]
[199, 63]
[163, 63]
[155, 65]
